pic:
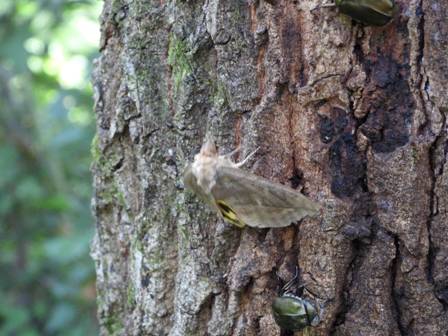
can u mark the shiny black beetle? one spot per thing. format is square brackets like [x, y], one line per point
[368, 12]
[292, 312]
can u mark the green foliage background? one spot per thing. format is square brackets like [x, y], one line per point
[46, 125]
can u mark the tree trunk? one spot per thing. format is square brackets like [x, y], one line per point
[353, 116]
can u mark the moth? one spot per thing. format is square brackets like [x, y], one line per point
[242, 198]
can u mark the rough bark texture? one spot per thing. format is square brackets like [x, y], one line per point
[353, 116]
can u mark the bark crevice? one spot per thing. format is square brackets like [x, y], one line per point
[394, 294]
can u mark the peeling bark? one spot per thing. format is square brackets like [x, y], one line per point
[353, 116]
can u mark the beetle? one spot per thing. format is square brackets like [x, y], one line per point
[293, 312]
[368, 12]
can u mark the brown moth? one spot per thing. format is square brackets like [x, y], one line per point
[240, 197]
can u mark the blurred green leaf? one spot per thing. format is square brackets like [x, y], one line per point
[28, 189]
[8, 165]
[55, 203]
[14, 318]
[12, 51]
[65, 249]
[46, 125]
[60, 317]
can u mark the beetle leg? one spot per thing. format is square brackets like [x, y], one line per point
[286, 288]
[236, 150]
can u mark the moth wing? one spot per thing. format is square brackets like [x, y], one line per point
[265, 217]
[259, 202]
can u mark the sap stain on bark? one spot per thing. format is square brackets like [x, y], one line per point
[326, 129]
[347, 167]
[388, 105]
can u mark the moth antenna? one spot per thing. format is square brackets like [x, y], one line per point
[236, 150]
[242, 163]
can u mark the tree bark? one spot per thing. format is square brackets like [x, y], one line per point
[353, 116]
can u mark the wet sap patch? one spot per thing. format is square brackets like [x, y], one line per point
[347, 163]
[389, 106]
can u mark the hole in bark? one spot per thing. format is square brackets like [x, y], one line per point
[296, 178]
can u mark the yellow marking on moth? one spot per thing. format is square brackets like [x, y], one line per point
[229, 215]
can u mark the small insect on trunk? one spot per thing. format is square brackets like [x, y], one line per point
[293, 312]
[368, 12]
[240, 197]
